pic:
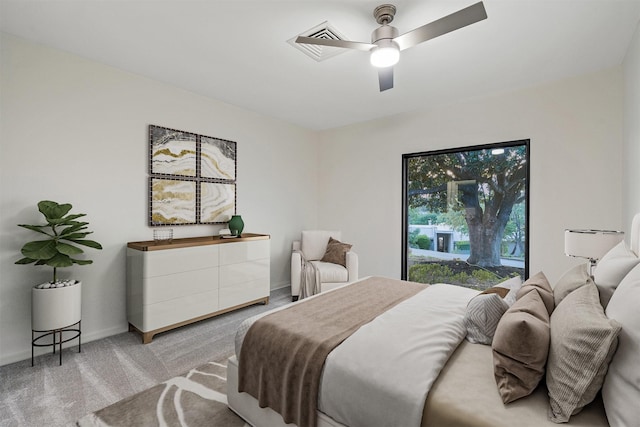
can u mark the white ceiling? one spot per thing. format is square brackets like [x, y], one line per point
[236, 51]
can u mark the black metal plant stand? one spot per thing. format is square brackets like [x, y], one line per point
[57, 339]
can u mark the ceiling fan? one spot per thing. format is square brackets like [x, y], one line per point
[386, 44]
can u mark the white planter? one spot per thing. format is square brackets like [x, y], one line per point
[56, 308]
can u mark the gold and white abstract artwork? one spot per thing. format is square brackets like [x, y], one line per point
[192, 178]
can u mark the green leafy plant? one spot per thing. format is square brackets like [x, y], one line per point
[413, 235]
[475, 278]
[430, 273]
[423, 242]
[63, 231]
[461, 246]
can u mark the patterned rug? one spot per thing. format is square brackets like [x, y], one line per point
[197, 398]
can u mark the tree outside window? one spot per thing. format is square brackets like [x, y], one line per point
[465, 214]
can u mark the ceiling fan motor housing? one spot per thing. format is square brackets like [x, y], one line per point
[384, 32]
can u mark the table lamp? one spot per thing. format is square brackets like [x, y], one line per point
[590, 244]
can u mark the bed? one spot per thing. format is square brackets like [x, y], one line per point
[413, 364]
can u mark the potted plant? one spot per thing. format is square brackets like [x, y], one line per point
[57, 304]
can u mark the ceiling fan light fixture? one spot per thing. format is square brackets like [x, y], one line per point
[385, 54]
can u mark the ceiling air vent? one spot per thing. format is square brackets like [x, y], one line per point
[319, 53]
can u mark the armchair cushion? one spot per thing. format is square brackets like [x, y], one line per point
[336, 252]
[330, 272]
[314, 243]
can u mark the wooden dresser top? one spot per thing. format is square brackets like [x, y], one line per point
[151, 245]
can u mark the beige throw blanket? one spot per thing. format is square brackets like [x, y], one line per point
[309, 278]
[283, 353]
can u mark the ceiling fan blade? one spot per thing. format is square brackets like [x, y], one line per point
[456, 20]
[335, 43]
[385, 76]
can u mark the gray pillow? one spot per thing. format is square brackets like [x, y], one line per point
[482, 316]
[539, 283]
[336, 252]
[571, 280]
[520, 347]
[485, 310]
[583, 341]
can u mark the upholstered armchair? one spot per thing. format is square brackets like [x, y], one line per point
[313, 247]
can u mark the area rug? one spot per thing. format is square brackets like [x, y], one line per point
[197, 398]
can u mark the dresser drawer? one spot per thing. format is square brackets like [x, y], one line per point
[163, 288]
[233, 274]
[238, 252]
[231, 296]
[160, 263]
[165, 313]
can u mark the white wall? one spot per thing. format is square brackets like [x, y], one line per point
[75, 131]
[575, 127]
[632, 128]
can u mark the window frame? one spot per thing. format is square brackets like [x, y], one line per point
[405, 208]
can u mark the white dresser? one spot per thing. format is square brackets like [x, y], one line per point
[171, 285]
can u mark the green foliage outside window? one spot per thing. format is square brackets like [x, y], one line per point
[438, 273]
[423, 242]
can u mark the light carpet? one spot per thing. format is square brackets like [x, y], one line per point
[197, 398]
[114, 368]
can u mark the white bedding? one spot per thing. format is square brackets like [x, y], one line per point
[361, 384]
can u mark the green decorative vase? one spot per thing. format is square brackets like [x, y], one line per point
[236, 225]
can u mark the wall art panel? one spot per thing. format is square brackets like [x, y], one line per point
[218, 158]
[173, 201]
[172, 152]
[217, 202]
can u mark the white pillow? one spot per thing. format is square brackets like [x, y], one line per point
[621, 389]
[611, 270]
[514, 284]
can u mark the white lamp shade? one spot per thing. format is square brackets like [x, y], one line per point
[386, 54]
[590, 244]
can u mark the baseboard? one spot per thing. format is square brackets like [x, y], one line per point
[97, 335]
[280, 286]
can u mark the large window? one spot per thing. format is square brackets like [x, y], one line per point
[466, 214]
